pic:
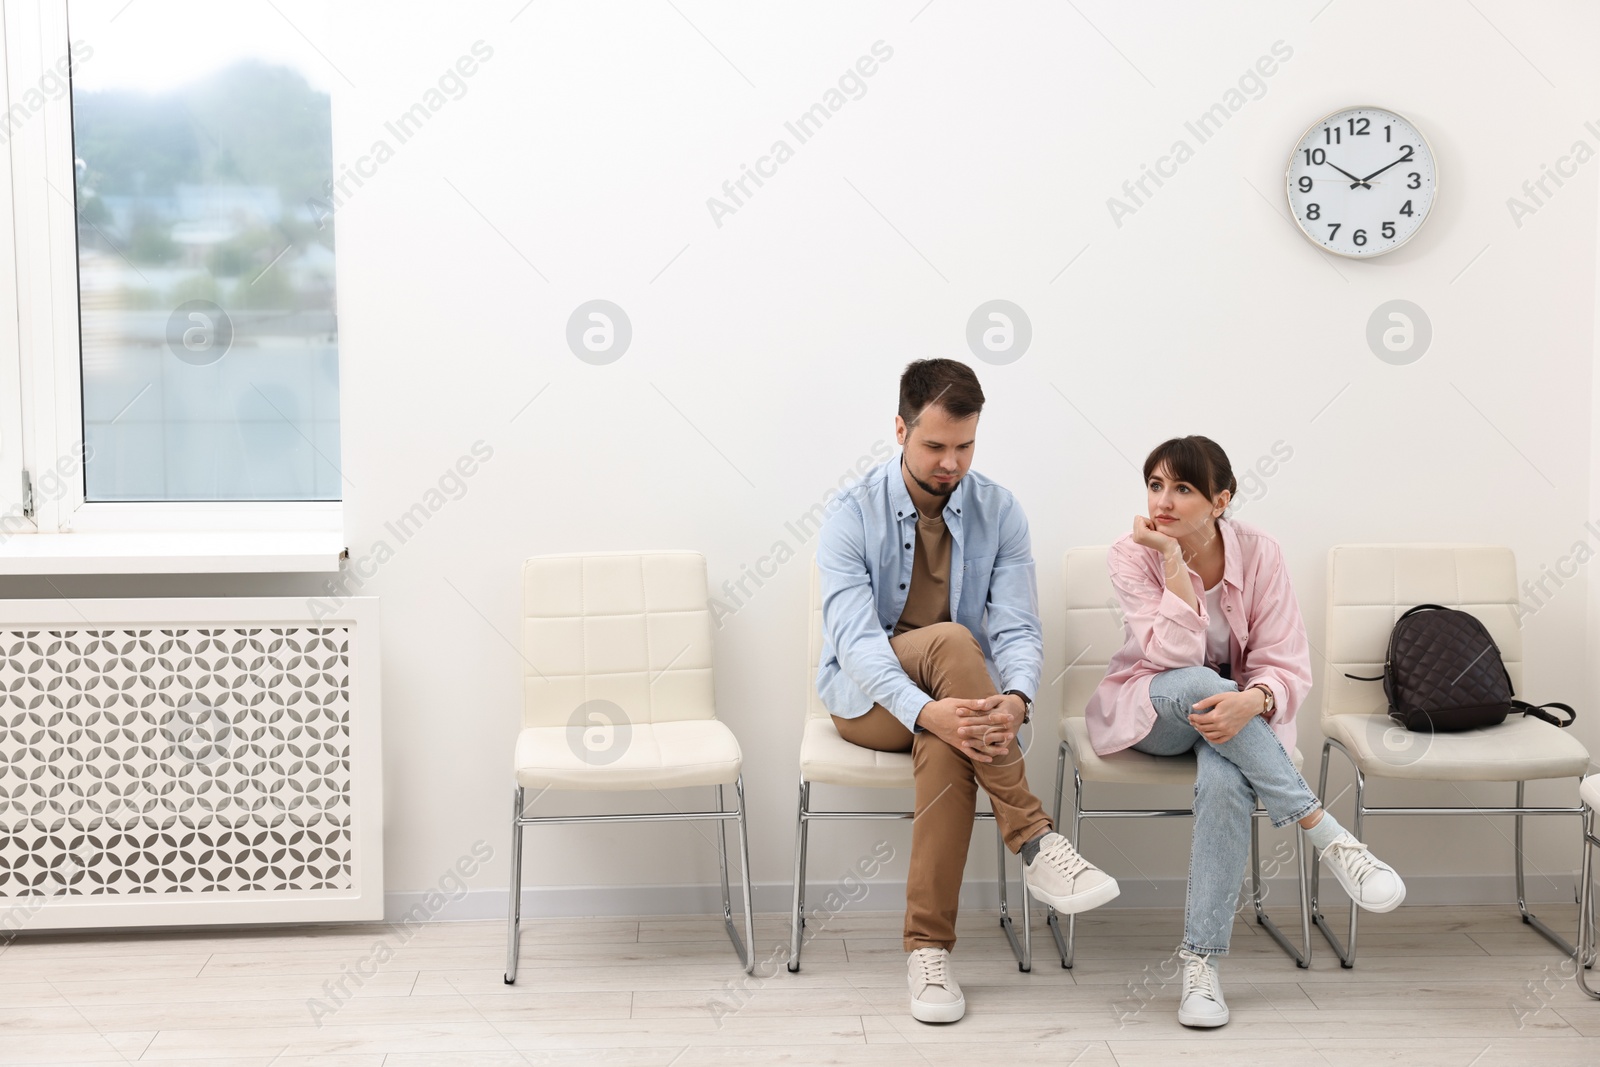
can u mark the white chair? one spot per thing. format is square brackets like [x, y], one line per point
[617, 695]
[829, 759]
[1369, 587]
[1589, 794]
[1094, 633]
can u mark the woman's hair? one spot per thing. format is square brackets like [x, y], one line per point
[1200, 461]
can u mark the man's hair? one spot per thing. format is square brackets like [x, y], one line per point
[945, 382]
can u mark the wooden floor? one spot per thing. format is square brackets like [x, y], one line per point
[1463, 986]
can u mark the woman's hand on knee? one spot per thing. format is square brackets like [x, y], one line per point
[1220, 717]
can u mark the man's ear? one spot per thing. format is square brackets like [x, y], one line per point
[899, 430]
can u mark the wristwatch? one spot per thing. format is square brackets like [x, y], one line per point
[1027, 702]
[1272, 702]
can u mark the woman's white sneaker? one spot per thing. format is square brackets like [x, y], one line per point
[1061, 878]
[1370, 882]
[1201, 1004]
[935, 995]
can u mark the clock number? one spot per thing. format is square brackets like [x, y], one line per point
[1359, 237]
[1305, 185]
[1388, 229]
[1330, 136]
[1406, 209]
[1315, 156]
[1334, 229]
[1416, 180]
[1313, 211]
[1362, 132]
[1387, 130]
[1408, 153]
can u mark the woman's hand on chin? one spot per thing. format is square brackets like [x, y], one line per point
[1145, 533]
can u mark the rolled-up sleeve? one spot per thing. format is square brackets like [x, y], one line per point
[1012, 613]
[1277, 653]
[1170, 633]
[850, 620]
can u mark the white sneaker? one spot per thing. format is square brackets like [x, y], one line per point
[1371, 883]
[1061, 878]
[935, 996]
[1202, 1004]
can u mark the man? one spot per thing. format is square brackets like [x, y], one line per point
[927, 577]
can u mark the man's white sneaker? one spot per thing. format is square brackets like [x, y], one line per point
[935, 995]
[1369, 881]
[1061, 878]
[1202, 1003]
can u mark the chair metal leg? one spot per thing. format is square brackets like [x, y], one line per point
[1584, 956]
[1077, 838]
[749, 955]
[1522, 894]
[515, 908]
[1022, 949]
[722, 871]
[1051, 918]
[1347, 958]
[746, 955]
[798, 919]
[1302, 958]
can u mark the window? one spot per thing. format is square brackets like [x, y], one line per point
[206, 289]
[176, 296]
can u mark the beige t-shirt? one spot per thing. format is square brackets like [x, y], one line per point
[928, 599]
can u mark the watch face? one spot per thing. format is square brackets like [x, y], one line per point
[1361, 181]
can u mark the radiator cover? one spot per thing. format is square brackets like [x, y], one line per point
[182, 761]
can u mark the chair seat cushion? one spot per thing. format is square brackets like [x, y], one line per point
[828, 758]
[1129, 766]
[1519, 749]
[1589, 792]
[663, 755]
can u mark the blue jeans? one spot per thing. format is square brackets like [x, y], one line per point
[1227, 780]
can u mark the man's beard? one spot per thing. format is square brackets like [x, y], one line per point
[931, 490]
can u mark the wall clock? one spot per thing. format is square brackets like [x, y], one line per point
[1361, 181]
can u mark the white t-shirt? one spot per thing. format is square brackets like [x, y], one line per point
[1217, 629]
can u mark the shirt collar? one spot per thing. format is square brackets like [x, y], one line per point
[1232, 565]
[905, 508]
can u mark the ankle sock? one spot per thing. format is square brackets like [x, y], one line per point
[1322, 834]
[1030, 849]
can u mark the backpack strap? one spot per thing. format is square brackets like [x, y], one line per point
[1390, 655]
[1538, 712]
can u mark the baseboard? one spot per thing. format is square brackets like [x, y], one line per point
[667, 900]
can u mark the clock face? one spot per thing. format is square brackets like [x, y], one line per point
[1361, 181]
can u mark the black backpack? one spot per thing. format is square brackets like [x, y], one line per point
[1443, 673]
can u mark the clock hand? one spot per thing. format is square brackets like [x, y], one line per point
[1380, 170]
[1356, 182]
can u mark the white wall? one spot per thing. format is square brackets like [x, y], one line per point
[765, 357]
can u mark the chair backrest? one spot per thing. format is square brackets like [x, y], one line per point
[1094, 624]
[1371, 586]
[631, 628]
[815, 709]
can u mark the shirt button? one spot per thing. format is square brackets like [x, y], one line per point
[902, 585]
[899, 514]
[908, 544]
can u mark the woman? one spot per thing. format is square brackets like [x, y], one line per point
[1216, 662]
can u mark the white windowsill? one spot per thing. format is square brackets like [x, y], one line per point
[172, 552]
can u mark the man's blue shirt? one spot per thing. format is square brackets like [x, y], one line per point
[864, 557]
